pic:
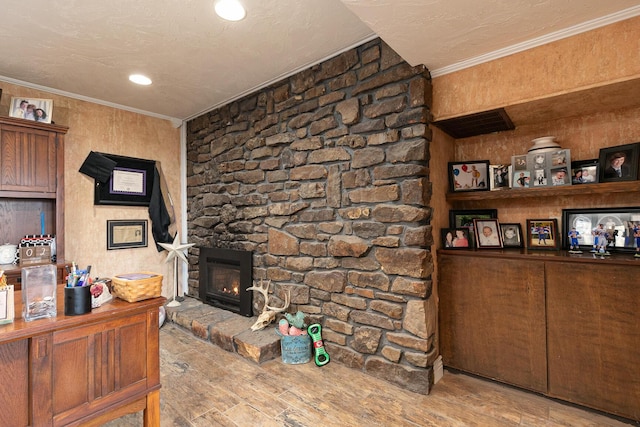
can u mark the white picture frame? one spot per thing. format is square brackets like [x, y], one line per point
[34, 109]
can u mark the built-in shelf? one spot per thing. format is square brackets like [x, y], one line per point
[567, 190]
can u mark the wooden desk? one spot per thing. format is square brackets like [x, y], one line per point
[81, 370]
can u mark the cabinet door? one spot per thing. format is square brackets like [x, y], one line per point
[492, 318]
[14, 391]
[594, 336]
[94, 367]
[27, 160]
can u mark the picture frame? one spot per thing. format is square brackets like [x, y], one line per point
[610, 156]
[34, 109]
[499, 177]
[521, 179]
[469, 176]
[456, 238]
[126, 234]
[542, 234]
[464, 219]
[487, 233]
[511, 235]
[584, 172]
[545, 169]
[621, 226]
[130, 182]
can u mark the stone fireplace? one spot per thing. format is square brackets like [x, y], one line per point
[324, 177]
[225, 275]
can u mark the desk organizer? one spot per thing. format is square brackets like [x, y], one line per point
[77, 300]
[134, 287]
[38, 292]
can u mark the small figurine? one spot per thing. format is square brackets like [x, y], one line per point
[574, 235]
[600, 240]
[636, 235]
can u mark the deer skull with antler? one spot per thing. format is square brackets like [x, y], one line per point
[268, 312]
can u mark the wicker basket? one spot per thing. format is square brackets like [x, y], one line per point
[134, 287]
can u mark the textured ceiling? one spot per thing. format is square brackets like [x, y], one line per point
[87, 48]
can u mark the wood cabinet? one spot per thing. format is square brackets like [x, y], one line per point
[28, 159]
[31, 180]
[563, 326]
[82, 370]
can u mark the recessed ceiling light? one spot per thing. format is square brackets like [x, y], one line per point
[140, 79]
[231, 10]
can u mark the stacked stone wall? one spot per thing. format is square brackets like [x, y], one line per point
[324, 177]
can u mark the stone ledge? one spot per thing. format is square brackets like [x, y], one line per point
[229, 331]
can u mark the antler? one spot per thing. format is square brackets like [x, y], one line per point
[268, 312]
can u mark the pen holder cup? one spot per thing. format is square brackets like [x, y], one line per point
[77, 300]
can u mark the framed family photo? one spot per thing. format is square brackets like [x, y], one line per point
[464, 219]
[469, 176]
[511, 235]
[456, 238]
[542, 234]
[487, 233]
[619, 163]
[584, 171]
[35, 109]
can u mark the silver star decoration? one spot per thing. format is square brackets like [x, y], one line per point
[176, 249]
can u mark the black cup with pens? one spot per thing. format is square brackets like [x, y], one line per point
[77, 293]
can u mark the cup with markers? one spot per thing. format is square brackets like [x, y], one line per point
[77, 292]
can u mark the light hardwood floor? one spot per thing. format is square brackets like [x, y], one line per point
[203, 385]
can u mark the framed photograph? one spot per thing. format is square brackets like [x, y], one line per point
[464, 219]
[609, 229]
[511, 235]
[499, 177]
[519, 163]
[130, 183]
[542, 234]
[469, 176]
[584, 171]
[619, 163]
[456, 238]
[521, 179]
[550, 168]
[126, 234]
[487, 233]
[35, 109]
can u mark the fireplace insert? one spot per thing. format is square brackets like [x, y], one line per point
[225, 275]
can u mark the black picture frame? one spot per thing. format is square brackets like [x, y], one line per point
[487, 233]
[509, 240]
[464, 219]
[629, 169]
[581, 167]
[130, 182]
[618, 224]
[127, 234]
[469, 176]
[459, 238]
[542, 234]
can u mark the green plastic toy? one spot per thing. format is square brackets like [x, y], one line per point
[321, 357]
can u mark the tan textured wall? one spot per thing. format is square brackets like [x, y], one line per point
[109, 130]
[605, 55]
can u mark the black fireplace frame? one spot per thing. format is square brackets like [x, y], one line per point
[241, 259]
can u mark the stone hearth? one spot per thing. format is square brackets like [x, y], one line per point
[227, 330]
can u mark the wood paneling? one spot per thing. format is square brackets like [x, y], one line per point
[594, 336]
[492, 318]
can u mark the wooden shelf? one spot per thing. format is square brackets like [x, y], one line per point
[566, 190]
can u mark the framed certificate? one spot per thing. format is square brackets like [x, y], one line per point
[130, 182]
